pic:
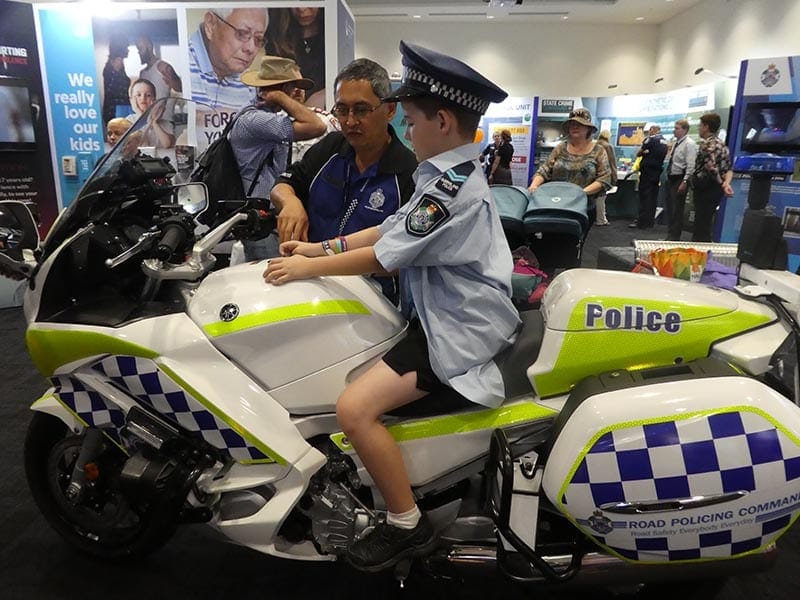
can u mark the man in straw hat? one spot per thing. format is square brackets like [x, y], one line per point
[264, 131]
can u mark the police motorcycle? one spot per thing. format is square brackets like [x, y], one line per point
[651, 430]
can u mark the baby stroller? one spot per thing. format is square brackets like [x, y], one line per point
[552, 221]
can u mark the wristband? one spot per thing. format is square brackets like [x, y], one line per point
[326, 246]
[343, 243]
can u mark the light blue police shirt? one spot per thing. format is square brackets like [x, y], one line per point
[455, 272]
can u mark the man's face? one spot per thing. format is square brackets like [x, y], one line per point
[234, 42]
[679, 132]
[368, 130]
[145, 48]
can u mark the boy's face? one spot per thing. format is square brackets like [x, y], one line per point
[114, 132]
[142, 97]
[423, 133]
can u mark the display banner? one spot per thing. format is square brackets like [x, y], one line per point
[73, 93]
[516, 116]
[767, 81]
[25, 163]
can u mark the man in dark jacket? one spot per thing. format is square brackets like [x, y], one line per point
[653, 152]
[351, 179]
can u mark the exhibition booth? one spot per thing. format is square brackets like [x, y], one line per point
[57, 63]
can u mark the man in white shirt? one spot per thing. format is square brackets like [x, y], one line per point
[159, 72]
[681, 159]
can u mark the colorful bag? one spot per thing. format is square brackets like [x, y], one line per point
[681, 263]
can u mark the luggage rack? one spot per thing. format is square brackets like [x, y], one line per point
[722, 253]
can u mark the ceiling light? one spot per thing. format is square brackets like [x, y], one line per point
[658, 80]
[490, 16]
[640, 18]
[417, 16]
[612, 86]
[565, 17]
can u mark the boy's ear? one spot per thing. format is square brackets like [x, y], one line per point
[447, 121]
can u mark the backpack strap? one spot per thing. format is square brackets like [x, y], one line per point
[268, 157]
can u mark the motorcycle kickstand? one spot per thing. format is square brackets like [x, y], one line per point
[401, 571]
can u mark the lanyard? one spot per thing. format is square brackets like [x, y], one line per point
[353, 204]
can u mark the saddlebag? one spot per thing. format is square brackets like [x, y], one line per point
[684, 463]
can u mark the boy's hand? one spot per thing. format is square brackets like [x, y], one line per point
[302, 248]
[290, 268]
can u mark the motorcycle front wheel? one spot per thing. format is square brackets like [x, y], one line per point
[104, 523]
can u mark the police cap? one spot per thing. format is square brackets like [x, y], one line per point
[430, 73]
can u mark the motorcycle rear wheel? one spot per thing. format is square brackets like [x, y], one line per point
[105, 524]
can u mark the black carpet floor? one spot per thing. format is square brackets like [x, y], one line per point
[198, 564]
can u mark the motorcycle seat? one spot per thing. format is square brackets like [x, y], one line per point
[513, 363]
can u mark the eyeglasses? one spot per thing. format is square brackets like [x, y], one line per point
[359, 111]
[244, 35]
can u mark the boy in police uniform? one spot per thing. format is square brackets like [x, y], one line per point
[455, 277]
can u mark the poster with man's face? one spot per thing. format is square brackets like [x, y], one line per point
[226, 42]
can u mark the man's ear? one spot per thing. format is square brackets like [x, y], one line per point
[209, 22]
[391, 110]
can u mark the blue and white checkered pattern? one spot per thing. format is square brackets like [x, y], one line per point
[142, 379]
[700, 456]
[90, 406]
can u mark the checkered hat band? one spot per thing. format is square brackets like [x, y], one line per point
[143, 380]
[431, 85]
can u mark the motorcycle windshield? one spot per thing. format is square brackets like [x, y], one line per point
[173, 129]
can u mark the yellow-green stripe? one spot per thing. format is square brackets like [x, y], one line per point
[503, 416]
[51, 348]
[249, 437]
[286, 313]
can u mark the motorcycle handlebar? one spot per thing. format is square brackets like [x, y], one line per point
[174, 235]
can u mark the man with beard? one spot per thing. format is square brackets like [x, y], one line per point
[351, 179]
[159, 72]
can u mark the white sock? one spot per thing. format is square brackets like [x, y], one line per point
[406, 520]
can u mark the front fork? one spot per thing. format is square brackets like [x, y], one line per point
[90, 449]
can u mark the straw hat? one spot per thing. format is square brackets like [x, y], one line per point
[275, 70]
[582, 116]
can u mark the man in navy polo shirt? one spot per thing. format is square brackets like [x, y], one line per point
[351, 179]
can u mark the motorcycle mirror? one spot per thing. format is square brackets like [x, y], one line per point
[193, 197]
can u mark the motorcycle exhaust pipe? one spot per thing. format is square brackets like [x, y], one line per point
[596, 568]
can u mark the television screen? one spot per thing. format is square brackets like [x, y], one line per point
[16, 115]
[771, 127]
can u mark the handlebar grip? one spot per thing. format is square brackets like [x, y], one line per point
[174, 235]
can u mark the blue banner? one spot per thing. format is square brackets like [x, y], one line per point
[73, 92]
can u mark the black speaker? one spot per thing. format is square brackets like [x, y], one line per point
[761, 242]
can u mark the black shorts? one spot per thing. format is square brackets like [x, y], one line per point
[411, 354]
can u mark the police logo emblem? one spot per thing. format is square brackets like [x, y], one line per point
[376, 201]
[770, 76]
[228, 312]
[426, 217]
[600, 523]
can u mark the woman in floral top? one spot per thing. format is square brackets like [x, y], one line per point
[711, 178]
[579, 160]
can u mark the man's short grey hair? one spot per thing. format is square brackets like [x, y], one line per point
[227, 12]
[364, 69]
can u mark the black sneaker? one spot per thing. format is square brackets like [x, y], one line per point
[387, 545]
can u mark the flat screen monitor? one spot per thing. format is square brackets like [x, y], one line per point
[772, 127]
[17, 130]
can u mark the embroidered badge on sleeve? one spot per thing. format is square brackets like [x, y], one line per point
[452, 180]
[427, 216]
